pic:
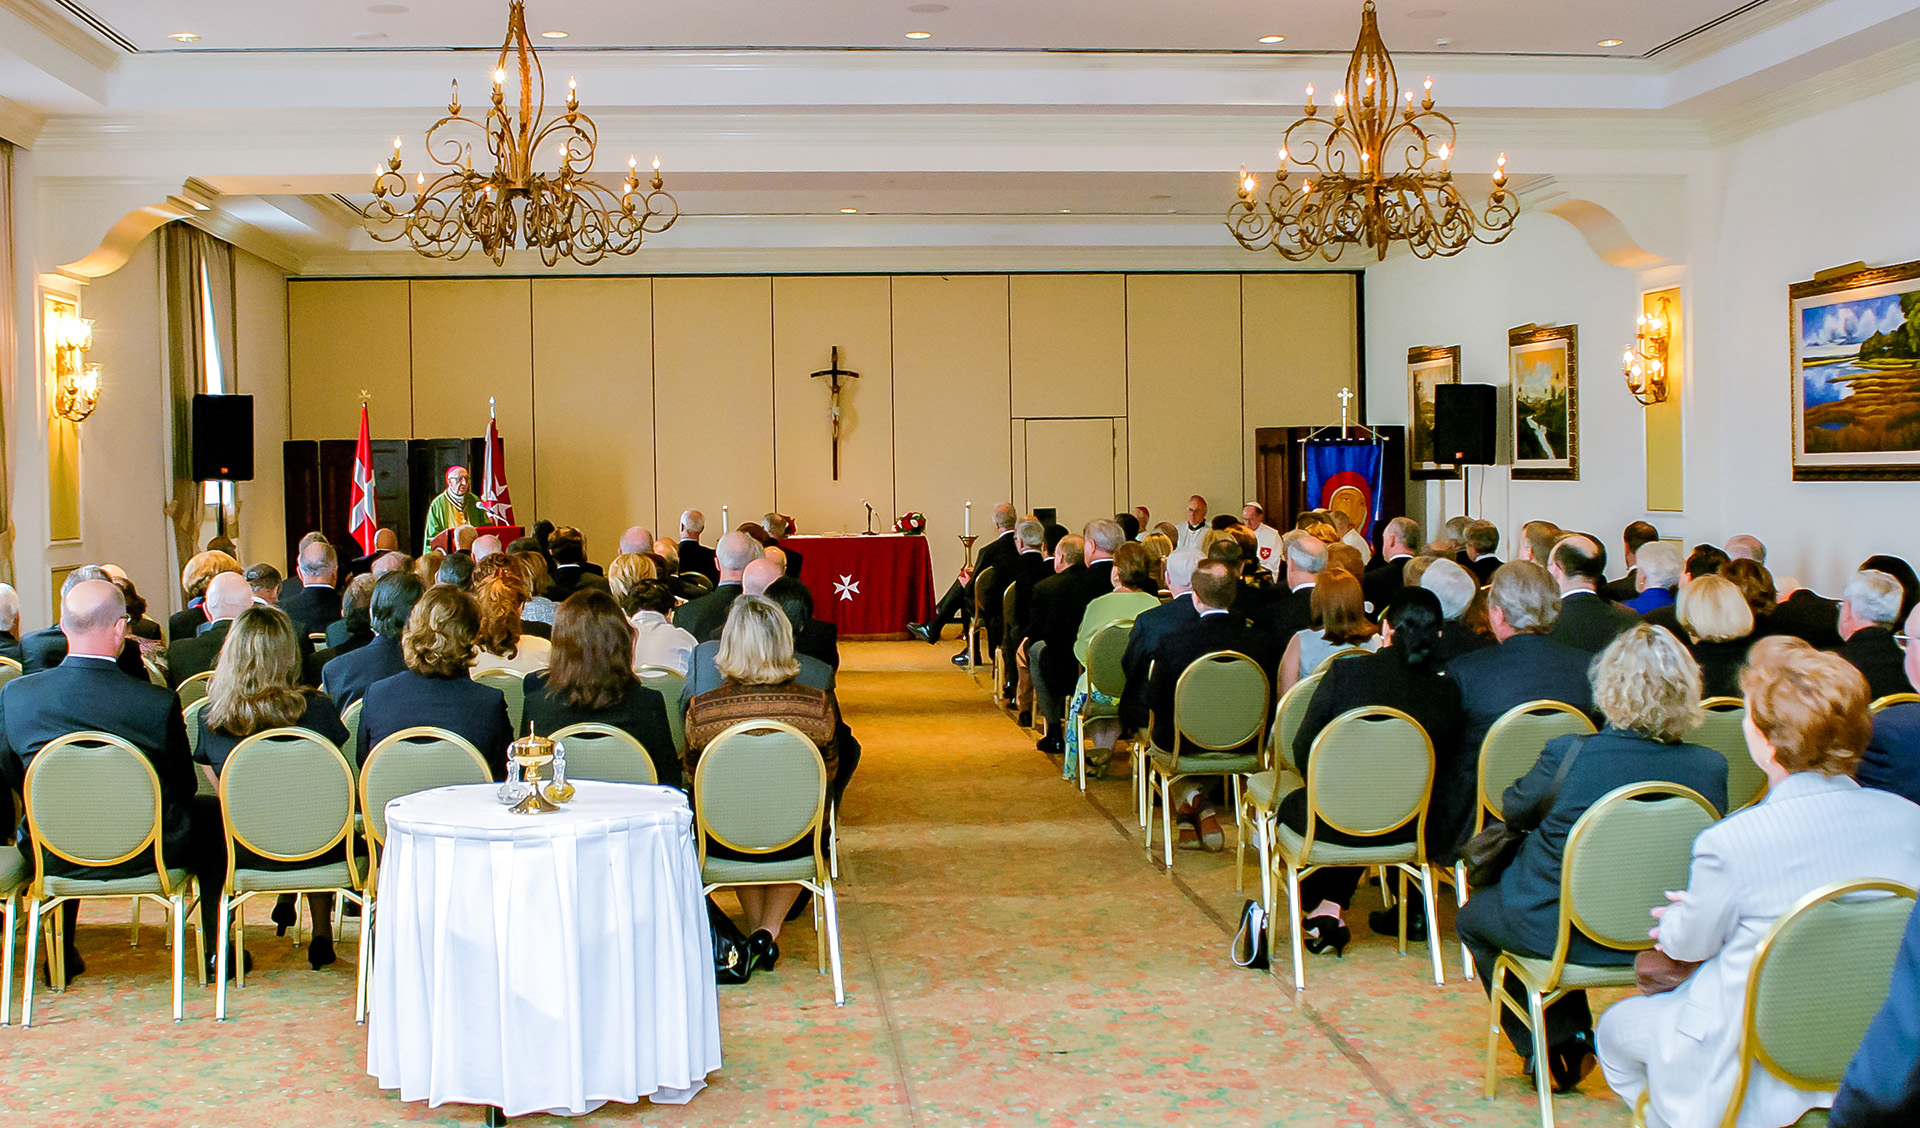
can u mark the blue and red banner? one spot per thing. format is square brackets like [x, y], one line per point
[1345, 476]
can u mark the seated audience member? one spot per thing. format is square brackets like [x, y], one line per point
[704, 617]
[692, 555]
[703, 672]
[1482, 539]
[456, 570]
[1059, 603]
[257, 687]
[542, 533]
[756, 660]
[1882, 1086]
[536, 614]
[317, 604]
[781, 527]
[1587, 620]
[1303, 561]
[1133, 592]
[292, 583]
[1196, 804]
[1525, 665]
[1339, 623]
[390, 562]
[1129, 524]
[1704, 560]
[44, 650]
[1403, 674]
[486, 546]
[85, 692]
[385, 540]
[138, 625]
[1648, 689]
[500, 591]
[9, 622]
[1347, 558]
[1636, 536]
[1717, 626]
[1266, 538]
[571, 571]
[268, 585]
[1756, 587]
[1158, 549]
[636, 541]
[1806, 614]
[1658, 574]
[1398, 544]
[199, 571]
[1343, 528]
[1030, 565]
[427, 566]
[1868, 611]
[346, 677]
[1902, 572]
[464, 537]
[1152, 628]
[956, 603]
[353, 630]
[812, 638]
[1537, 539]
[758, 532]
[590, 679]
[1464, 630]
[1166, 529]
[1807, 722]
[1892, 759]
[226, 597]
[1745, 547]
[435, 689]
[646, 599]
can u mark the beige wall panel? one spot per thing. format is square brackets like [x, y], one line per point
[1069, 345]
[342, 338]
[1301, 342]
[950, 386]
[473, 339]
[713, 396]
[1075, 466]
[810, 316]
[1183, 391]
[260, 371]
[593, 400]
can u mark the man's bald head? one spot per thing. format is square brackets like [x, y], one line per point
[1004, 515]
[733, 553]
[93, 616]
[758, 575]
[776, 554]
[636, 540]
[386, 540]
[228, 594]
[463, 538]
[484, 547]
[319, 564]
[390, 562]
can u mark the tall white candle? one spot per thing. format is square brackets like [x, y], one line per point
[969, 519]
[724, 526]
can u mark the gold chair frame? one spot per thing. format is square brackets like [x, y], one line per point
[1169, 777]
[1739, 765]
[1079, 751]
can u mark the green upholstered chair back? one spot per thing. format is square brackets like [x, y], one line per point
[982, 587]
[92, 799]
[606, 753]
[1010, 605]
[512, 684]
[194, 688]
[350, 717]
[670, 684]
[1370, 771]
[1623, 855]
[415, 759]
[287, 794]
[1819, 976]
[1722, 732]
[759, 786]
[10, 669]
[1220, 701]
[1513, 745]
[192, 715]
[1287, 717]
[1103, 657]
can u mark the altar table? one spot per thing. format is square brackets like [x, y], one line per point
[870, 587]
[546, 962]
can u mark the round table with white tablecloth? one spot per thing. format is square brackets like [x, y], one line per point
[545, 962]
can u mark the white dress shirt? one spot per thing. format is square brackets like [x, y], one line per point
[531, 654]
[657, 642]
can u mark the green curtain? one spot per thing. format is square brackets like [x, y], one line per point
[187, 254]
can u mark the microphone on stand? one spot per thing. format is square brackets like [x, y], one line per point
[869, 532]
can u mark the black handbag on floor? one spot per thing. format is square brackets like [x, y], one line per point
[730, 962]
[1488, 853]
[1250, 943]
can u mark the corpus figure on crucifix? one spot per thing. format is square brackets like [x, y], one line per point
[834, 376]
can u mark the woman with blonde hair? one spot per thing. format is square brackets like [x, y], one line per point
[435, 688]
[1718, 621]
[500, 591]
[256, 687]
[757, 660]
[1807, 725]
[1647, 687]
[646, 599]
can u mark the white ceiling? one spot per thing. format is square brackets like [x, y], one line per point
[1474, 27]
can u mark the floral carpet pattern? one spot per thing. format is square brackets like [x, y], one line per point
[1012, 959]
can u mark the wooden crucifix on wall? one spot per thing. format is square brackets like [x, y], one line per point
[835, 387]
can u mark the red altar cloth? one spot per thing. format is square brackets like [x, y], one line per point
[870, 587]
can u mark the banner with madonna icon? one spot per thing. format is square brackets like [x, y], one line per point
[1344, 476]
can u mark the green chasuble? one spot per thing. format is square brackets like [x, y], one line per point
[444, 513]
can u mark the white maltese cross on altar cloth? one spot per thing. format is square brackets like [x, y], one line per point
[846, 588]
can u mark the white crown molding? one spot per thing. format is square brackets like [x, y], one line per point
[1890, 69]
[19, 124]
[63, 32]
[1701, 44]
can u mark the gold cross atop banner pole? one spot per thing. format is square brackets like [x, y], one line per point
[1345, 397]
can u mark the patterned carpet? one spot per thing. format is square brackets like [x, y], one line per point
[1012, 959]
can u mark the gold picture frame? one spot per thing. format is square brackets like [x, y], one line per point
[1428, 366]
[1856, 375]
[1543, 381]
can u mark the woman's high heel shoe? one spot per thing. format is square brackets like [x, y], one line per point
[285, 915]
[320, 952]
[762, 951]
[1319, 933]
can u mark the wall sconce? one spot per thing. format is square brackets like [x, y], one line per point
[1645, 362]
[76, 383]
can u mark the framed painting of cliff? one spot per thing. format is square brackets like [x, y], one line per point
[1427, 368]
[1544, 373]
[1856, 375]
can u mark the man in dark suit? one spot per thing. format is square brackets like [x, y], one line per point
[703, 617]
[1028, 567]
[1892, 759]
[1304, 557]
[227, 596]
[1588, 620]
[346, 678]
[292, 582]
[1397, 546]
[317, 604]
[384, 541]
[44, 650]
[85, 692]
[1806, 614]
[1634, 537]
[1868, 611]
[1482, 539]
[1058, 606]
[571, 571]
[694, 556]
[956, 605]
[1527, 665]
[811, 637]
[1152, 628]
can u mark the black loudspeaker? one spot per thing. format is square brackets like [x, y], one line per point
[223, 438]
[1463, 423]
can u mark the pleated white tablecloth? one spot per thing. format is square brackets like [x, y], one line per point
[542, 962]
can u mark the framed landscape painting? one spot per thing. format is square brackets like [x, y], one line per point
[1543, 372]
[1856, 375]
[1427, 368]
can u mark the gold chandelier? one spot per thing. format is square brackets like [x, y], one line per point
[1345, 195]
[564, 214]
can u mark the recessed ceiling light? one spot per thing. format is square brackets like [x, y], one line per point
[919, 35]
[553, 35]
[184, 37]
[1066, 211]
[927, 9]
[1610, 43]
[1273, 39]
[850, 211]
[1443, 43]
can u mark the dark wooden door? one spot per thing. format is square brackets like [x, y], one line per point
[1280, 474]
